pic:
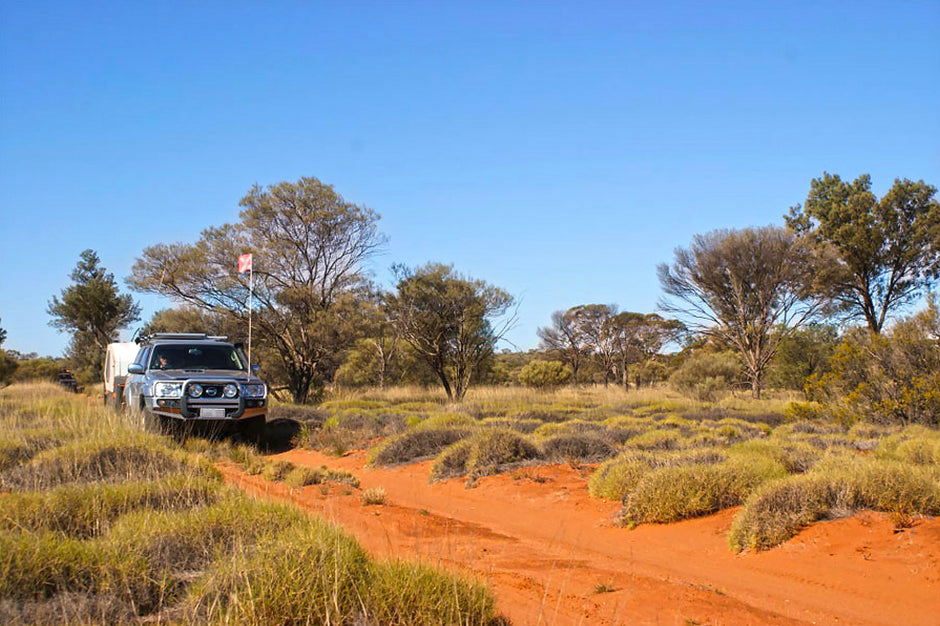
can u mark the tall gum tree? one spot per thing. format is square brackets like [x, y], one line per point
[747, 288]
[309, 247]
[565, 340]
[887, 251]
[449, 320]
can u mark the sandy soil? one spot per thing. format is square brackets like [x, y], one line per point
[553, 556]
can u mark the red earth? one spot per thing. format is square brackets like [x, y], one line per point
[553, 555]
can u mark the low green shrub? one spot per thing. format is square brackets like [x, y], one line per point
[311, 574]
[189, 540]
[301, 476]
[587, 448]
[797, 457]
[88, 510]
[97, 461]
[413, 593]
[837, 486]
[276, 471]
[525, 426]
[486, 452]
[655, 440]
[20, 446]
[571, 427]
[673, 493]
[494, 449]
[374, 496]
[544, 374]
[452, 461]
[616, 478]
[448, 420]
[37, 565]
[416, 444]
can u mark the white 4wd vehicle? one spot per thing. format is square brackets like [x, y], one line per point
[184, 378]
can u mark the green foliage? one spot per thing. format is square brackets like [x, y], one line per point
[35, 369]
[415, 445]
[616, 478]
[310, 289]
[565, 340]
[544, 374]
[449, 321]
[190, 319]
[885, 251]
[673, 493]
[120, 459]
[586, 448]
[706, 376]
[841, 486]
[92, 311]
[410, 593]
[86, 510]
[802, 354]
[382, 361]
[277, 471]
[8, 364]
[452, 461]
[8, 367]
[748, 288]
[486, 452]
[138, 530]
[891, 378]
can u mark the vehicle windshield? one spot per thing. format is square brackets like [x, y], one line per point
[202, 357]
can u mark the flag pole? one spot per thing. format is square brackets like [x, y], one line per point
[251, 284]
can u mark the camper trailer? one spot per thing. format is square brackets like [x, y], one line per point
[117, 357]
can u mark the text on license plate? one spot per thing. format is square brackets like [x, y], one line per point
[211, 412]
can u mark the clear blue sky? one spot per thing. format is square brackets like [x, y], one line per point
[559, 150]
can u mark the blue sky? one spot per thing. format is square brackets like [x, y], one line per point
[560, 150]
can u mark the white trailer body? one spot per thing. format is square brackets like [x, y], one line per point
[116, 359]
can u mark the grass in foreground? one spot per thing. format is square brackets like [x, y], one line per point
[104, 524]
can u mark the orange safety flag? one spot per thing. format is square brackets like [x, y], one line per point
[244, 263]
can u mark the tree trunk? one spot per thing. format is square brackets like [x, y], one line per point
[755, 387]
[442, 375]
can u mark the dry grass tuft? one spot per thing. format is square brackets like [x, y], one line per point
[414, 445]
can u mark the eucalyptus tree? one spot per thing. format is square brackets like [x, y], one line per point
[309, 249]
[887, 250]
[748, 288]
[565, 340]
[595, 324]
[638, 337]
[449, 320]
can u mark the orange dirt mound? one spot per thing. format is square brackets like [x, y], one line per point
[553, 556]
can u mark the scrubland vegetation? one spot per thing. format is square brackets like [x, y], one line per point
[662, 455]
[101, 523]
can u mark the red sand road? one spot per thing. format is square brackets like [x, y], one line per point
[553, 556]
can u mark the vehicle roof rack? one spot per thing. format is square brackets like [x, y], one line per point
[179, 337]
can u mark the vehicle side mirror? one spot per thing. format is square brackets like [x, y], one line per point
[255, 368]
[135, 368]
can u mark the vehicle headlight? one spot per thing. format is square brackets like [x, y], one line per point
[195, 391]
[230, 390]
[168, 390]
[254, 390]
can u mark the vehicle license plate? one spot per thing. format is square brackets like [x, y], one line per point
[211, 413]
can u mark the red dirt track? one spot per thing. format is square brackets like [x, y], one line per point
[552, 555]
